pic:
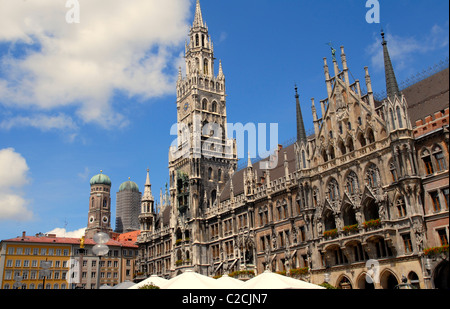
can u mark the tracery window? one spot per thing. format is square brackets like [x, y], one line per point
[352, 183]
[333, 190]
[401, 207]
[372, 176]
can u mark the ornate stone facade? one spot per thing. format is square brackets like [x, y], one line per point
[341, 204]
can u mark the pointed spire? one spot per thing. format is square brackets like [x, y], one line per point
[198, 21]
[148, 189]
[249, 163]
[301, 133]
[220, 75]
[392, 88]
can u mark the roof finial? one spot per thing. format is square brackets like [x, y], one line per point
[198, 20]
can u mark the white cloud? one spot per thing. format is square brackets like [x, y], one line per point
[40, 121]
[61, 232]
[401, 49]
[129, 46]
[13, 176]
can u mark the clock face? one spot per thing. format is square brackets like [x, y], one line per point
[186, 106]
[105, 219]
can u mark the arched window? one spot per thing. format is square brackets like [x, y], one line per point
[333, 190]
[213, 197]
[214, 107]
[330, 223]
[219, 175]
[205, 104]
[372, 176]
[105, 203]
[303, 159]
[426, 158]
[342, 148]
[391, 113]
[362, 140]
[331, 152]
[324, 155]
[370, 136]
[352, 183]
[197, 42]
[206, 66]
[401, 207]
[399, 117]
[210, 173]
[439, 158]
[348, 215]
[350, 144]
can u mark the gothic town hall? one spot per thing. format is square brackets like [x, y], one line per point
[366, 194]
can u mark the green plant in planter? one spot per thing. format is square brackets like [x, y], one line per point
[372, 223]
[298, 271]
[330, 233]
[435, 250]
[351, 228]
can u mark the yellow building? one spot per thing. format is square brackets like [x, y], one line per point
[24, 258]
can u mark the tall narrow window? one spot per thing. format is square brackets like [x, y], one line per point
[443, 237]
[407, 243]
[210, 173]
[446, 196]
[372, 176]
[205, 67]
[435, 201]
[399, 117]
[439, 157]
[391, 113]
[401, 207]
[426, 158]
[303, 159]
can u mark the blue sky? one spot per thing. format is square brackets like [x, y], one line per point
[100, 95]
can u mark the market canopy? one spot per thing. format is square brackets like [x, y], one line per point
[270, 280]
[191, 280]
[227, 282]
[124, 285]
[153, 279]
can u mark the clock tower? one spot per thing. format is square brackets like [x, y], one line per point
[201, 161]
[99, 216]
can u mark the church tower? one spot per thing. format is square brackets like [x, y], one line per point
[147, 216]
[99, 216]
[199, 164]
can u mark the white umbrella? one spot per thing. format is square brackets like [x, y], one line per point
[270, 280]
[124, 285]
[191, 280]
[153, 279]
[227, 282]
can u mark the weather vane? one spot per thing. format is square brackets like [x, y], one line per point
[333, 51]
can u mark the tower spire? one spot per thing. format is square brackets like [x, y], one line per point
[301, 133]
[198, 20]
[148, 189]
[392, 88]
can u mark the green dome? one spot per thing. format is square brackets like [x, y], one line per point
[100, 179]
[129, 186]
